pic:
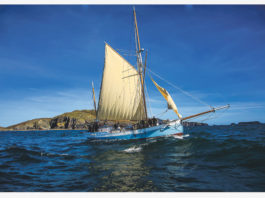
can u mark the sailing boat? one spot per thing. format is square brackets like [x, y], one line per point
[122, 112]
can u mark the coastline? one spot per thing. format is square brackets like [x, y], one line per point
[185, 124]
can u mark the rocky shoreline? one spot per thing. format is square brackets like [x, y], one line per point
[79, 120]
[186, 124]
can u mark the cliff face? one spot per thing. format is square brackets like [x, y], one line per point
[41, 123]
[78, 119]
[72, 120]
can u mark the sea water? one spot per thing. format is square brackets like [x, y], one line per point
[206, 158]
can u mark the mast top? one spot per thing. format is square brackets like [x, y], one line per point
[136, 30]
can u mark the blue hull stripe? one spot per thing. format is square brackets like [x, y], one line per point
[156, 131]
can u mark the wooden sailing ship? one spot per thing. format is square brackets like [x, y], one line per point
[122, 111]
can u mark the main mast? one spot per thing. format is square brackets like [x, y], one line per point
[139, 61]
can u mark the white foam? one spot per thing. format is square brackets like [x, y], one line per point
[63, 154]
[133, 149]
[181, 136]
[178, 136]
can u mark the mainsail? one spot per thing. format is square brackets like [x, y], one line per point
[121, 92]
[166, 95]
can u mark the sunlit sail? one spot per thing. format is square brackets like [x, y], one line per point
[120, 93]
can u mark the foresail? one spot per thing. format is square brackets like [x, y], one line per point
[120, 94]
[166, 95]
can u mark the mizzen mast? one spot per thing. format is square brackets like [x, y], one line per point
[139, 61]
[94, 98]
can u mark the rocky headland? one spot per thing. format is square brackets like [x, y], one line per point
[247, 123]
[78, 119]
[185, 124]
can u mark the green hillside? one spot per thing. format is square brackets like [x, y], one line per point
[77, 119]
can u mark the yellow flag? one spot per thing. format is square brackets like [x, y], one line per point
[166, 95]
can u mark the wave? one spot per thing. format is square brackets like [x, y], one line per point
[191, 162]
[133, 149]
[180, 136]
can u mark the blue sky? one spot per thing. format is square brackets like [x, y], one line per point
[50, 54]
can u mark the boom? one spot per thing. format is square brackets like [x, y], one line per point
[205, 112]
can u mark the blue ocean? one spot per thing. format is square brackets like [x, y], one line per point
[206, 158]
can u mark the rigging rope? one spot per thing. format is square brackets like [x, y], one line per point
[126, 52]
[149, 106]
[185, 92]
[210, 117]
[217, 116]
[89, 101]
[160, 114]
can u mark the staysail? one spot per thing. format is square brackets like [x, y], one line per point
[166, 95]
[121, 92]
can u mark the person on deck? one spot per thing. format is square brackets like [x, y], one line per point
[154, 121]
[150, 123]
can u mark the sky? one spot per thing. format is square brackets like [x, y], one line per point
[50, 54]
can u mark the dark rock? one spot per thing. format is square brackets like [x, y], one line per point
[53, 123]
[248, 123]
[36, 125]
[73, 123]
[194, 124]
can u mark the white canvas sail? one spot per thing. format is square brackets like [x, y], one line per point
[171, 104]
[120, 94]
